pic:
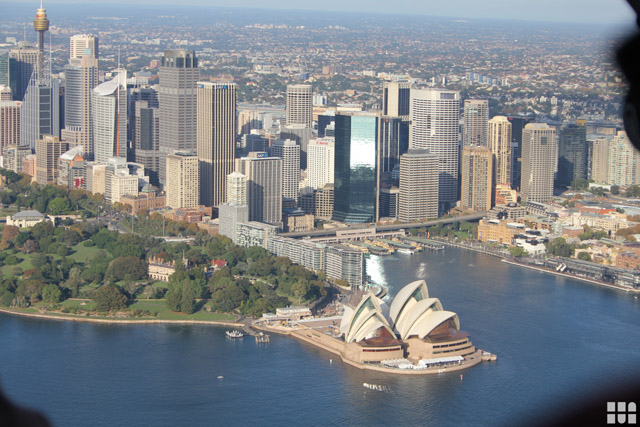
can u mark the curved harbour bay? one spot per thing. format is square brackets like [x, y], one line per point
[554, 338]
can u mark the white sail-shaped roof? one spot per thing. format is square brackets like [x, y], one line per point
[414, 311]
[367, 318]
[428, 321]
[414, 291]
[346, 319]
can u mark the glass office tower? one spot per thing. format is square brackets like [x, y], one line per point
[356, 168]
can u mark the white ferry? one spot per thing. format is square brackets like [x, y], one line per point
[234, 334]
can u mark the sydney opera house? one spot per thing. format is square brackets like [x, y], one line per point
[415, 334]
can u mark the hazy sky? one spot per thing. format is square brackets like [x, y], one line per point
[580, 11]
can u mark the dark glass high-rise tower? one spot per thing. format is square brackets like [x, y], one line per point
[356, 168]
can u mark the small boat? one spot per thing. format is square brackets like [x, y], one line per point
[220, 377]
[376, 387]
[234, 334]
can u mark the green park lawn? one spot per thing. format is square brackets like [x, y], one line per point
[83, 254]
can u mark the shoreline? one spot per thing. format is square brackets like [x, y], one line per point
[61, 317]
[571, 276]
[507, 260]
[333, 346]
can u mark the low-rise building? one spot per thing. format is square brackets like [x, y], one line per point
[147, 199]
[159, 269]
[253, 233]
[499, 231]
[27, 218]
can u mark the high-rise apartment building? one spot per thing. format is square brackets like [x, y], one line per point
[320, 162]
[477, 178]
[600, 160]
[539, 161]
[289, 152]
[264, 186]
[235, 211]
[183, 181]
[356, 173]
[9, 124]
[624, 161]
[435, 116]
[216, 137]
[572, 154]
[395, 98]
[82, 45]
[109, 107]
[177, 94]
[499, 142]
[48, 149]
[476, 117]
[299, 105]
[418, 197]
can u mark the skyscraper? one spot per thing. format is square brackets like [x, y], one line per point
[572, 154]
[624, 161]
[48, 150]
[394, 141]
[499, 141]
[539, 160]
[81, 77]
[25, 58]
[178, 77]
[9, 124]
[517, 126]
[320, 164]
[395, 98]
[183, 183]
[216, 137]
[476, 116]
[600, 160]
[289, 152]
[109, 105]
[9, 73]
[477, 178]
[435, 116]
[237, 188]
[418, 198]
[146, 138]
[356, 168]
[301, 134]
[264, 186]
[299, 105]
[82, 45]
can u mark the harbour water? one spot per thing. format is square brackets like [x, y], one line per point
[555, 338]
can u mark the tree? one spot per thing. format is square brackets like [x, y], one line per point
[187, 302]
[51, 293]
[517, 251]
[30, 246]
[615, 190]
[109, 298]
[560, 247]
[127, 268]
[10, 232]
[59, 206]
[174, 297]
[584, 256]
